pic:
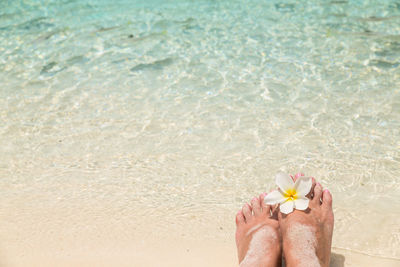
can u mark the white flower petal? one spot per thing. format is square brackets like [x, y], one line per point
[303, 185]
[274, 197]
[284, 181]
[287, 207]
[301, 203]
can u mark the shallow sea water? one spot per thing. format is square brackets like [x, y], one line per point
[161, 118]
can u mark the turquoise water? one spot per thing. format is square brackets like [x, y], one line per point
[159, 103]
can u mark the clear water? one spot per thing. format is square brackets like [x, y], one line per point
[156, 116]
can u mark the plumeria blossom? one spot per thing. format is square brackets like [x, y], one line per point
[290, 195]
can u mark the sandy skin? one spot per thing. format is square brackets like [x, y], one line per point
[305, 237]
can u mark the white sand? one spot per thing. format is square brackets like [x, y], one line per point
[56, 237]
[94, 222]
[157, 253]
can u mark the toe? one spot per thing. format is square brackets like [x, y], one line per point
[317, 194]
[240, 218]
[327, 199]
[310, 195]
[256, 206]
[266, 209]
[247, 212]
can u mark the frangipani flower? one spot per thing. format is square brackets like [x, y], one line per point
[290, 194]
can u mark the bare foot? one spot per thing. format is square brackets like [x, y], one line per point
[307, 235]
[257, 235]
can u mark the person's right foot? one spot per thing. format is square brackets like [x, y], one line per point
[307, 235]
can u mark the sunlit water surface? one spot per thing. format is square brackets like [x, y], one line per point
[162, 118]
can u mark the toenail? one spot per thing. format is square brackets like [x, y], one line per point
[326, 190]
[318, 184]
[264, 194]
[299, 174]
[254, 199]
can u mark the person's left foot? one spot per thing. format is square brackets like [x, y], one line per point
[258, 238]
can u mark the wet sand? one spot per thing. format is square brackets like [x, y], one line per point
[172, 252]
[53, 234]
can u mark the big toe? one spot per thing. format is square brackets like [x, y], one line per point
[326, 199]
[328, 211]
[266, 209]
[317, 195]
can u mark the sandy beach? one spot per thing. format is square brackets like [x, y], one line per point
[90, 239]
[60, 225]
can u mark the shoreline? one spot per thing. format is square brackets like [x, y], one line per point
[41, 228]
[168, 252]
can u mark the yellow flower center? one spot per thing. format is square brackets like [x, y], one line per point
[291, 194]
